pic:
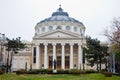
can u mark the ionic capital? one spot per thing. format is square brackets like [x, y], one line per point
[71, 44]
[37, 44]
[79, 44]
[45, 44]
[54, 44]
[63, 44]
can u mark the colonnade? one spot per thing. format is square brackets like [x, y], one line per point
[62, 55]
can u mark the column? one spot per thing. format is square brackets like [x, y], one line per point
[80, 57]
[63, 56]
[45, 56]
[71, 56]
[37, 57]
[54, 53]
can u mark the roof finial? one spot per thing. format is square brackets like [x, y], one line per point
[60, 5]
[60, 9]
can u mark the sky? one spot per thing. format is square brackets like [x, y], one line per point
[19, 17]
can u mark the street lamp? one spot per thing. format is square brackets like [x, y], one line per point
[113, 60]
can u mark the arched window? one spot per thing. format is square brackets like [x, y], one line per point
[75, 29]
[67, 27]
[58, 27]
[38, 31]
[50, 28]
[34, 55]
[81, 32]
[43, 29]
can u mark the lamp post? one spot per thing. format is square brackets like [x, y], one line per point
[2, 40]
[113, 62]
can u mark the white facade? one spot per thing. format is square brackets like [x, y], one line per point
[59, 38]
[22, 59]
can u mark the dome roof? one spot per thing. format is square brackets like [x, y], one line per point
[60, 15]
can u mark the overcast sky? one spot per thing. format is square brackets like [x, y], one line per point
[19, 17]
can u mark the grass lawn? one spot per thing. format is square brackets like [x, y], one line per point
[97, 76]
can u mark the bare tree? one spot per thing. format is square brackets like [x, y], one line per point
[113, 34]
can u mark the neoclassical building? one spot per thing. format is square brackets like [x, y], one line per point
[58, 38]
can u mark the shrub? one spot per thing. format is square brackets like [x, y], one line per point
[66, 71]
[21, 71]
[104, 70]
[33, 72]
[90, 71]
[108, 74]
[74, 71]
[61, 71]
[1, 72]
[40, 71]
[117, 74]
[43, 71]
[49, 71]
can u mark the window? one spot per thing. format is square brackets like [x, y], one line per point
[75, 29]
[35, 34]
[67, 63]
[50, 61]
[38, 30]
[34, 55]
[43, 29]
[50, 28]
[58, 27]
[67, 27]
[81, 32]
[58, 62]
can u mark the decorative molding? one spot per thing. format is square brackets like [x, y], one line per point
[45, 44]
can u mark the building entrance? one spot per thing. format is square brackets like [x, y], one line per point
[58, 62]
[67, 62]
[50, 62]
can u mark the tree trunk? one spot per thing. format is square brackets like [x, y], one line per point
[100, 64]
[106, 66]
[11, 60]
[7, 64]
[83, 66]
[26, 66]
[97, 67]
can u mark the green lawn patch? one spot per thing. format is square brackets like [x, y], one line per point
[95, 76]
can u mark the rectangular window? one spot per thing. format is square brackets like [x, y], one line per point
[67, 61]
[50, 62]
[83, 56]
[34, 55]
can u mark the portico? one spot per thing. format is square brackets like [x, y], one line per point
[67, 55]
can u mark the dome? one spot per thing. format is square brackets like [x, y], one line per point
[59, 21]
[60, 15]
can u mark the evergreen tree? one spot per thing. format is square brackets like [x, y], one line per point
[12, 47]
[103, 56]
[95, 53]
